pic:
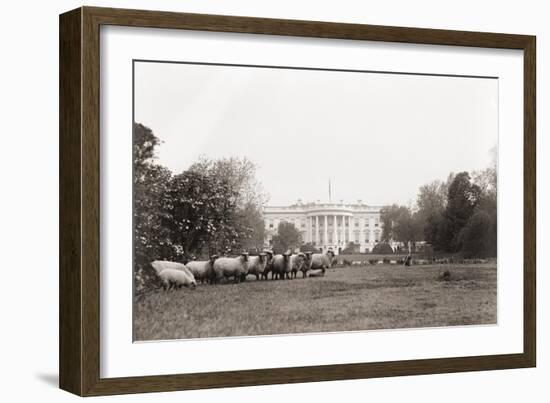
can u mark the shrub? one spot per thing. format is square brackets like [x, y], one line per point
[350, 249]
[308, 247]
[382, 248]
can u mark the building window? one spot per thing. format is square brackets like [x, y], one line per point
[271, 225]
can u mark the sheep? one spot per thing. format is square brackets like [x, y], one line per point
[279, 266]
[174, 278]
[257, 265]
[160, 265]
[295, 264]
[269, 264]
[203, 270]
[236, 267]
[317, 261]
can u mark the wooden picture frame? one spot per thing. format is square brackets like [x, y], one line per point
[79, 348]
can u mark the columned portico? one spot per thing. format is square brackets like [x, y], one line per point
[328, 226]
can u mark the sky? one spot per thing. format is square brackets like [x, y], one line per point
[377, 137]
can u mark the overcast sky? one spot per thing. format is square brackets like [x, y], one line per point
[377, 137]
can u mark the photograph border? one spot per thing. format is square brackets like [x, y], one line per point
[79, 216]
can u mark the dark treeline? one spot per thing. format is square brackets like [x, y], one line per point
[454, 216]
[212, 207]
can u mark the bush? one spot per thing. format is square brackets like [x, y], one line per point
[350, 249]
[308, 247]
[382, 248]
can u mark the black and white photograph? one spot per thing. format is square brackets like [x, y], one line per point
[275, 200]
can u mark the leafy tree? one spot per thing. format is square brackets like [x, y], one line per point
[150, 184]
[252, 224]
[247, 200]
[431, 203]
[287, 237]
[240, 174]
[463, 196]
[478, 237]
[212, 207]
[401, 224]
[199, 211]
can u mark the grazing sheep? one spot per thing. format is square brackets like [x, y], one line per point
[269, 264]
[203, 270]
[236, 267]
[257, 265]
[317, 261]
[160, 265]
[295, 264]
[174, 278]
[279, 266]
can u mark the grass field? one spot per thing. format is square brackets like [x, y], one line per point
[347, 298]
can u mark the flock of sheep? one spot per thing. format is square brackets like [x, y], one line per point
[175, 275]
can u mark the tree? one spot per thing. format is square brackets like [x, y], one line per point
[431, 203]
[199, 210]
[462, 198]
[400, 224]
[240, 174]
[287, 237]
[247, 200]
[252, 223]
[478, 237]
[150, 184]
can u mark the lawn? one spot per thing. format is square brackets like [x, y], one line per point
[347, 298]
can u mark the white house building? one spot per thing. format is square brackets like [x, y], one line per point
[329, 225]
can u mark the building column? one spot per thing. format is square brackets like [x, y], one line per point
[350, 230]
[325, 240]
[317, 229]
[361, 235]
[344, 230]
[334, 230]
[309, 235]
